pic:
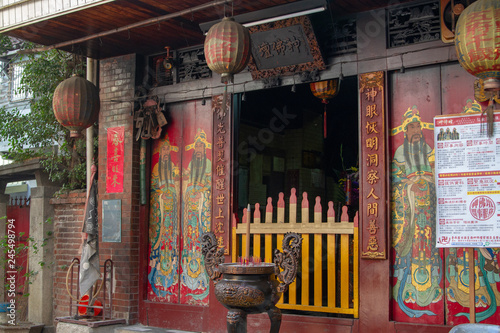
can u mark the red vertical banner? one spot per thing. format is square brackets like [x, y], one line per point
[373, 166]
[221, 220]
[115, 159]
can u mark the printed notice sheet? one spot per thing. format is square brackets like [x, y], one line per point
[467, 172]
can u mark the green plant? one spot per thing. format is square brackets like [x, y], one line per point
[37, 134]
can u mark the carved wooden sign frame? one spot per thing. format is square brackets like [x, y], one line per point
[373, 195]
[283, 48]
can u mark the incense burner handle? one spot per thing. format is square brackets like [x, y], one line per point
[212, 255]
[288, 261]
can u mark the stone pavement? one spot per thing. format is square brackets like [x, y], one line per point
[63, 327]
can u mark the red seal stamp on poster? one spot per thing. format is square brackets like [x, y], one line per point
[482, 208]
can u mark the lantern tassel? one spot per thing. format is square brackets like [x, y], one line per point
[489, 117]
[324, 120]
[224, 98]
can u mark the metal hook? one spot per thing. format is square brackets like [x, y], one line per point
[203, 102]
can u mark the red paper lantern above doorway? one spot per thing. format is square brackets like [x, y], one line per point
[477, 42]
[76, 104]
[227, 48]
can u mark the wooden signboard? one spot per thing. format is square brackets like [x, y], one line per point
[283, 48]
[373, 166]
[222, 130]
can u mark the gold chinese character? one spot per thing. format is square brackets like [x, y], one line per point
[371, 111]
[220, 128]
[372, 159]
[371, 94]
[219, 228]
[372, 243]
[372, 209]
[220, 170]
[372, 227]
[220, 184]
[220, 156]
[371, 177]
[371, 127]
[116, 140]
[220, 199]
[221, 141]
[220, 216]
[220, 241]
[372, 194]
[115, 182]
[372, 143]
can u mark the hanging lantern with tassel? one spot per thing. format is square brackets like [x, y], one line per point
[76, 104]
[477, 46]
[227, 50]
[325, 90]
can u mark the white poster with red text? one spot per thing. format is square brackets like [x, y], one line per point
[467, 173]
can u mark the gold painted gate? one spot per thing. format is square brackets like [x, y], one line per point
[327, 280]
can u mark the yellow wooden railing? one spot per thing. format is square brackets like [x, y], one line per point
[327, 280]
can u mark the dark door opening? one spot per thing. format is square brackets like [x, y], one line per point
[281, 145]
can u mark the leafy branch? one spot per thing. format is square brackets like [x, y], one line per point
[35, 133]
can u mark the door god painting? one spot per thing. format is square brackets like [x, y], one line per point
[180, 207]
[197, 182]
[431, 285]
[164, 223]
[418, 269]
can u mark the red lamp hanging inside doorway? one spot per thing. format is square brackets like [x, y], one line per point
[325, 90]
[76, 104]
[477, 44]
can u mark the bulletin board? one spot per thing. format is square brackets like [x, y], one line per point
[467, 173]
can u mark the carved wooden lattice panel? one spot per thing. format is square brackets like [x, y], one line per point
[413, 24]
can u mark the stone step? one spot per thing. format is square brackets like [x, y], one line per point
[63, 327]
[146, 329]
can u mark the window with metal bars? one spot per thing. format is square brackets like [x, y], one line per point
[17, 93]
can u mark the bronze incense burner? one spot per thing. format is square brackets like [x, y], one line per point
[251, 288]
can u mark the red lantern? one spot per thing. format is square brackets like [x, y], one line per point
[477, 42]
[76, 104]
[325, 90]
[227, 48]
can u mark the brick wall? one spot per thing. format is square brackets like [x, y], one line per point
[117, 82]
[68, 219]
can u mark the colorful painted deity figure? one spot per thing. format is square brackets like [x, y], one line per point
[197, 180]
[471, 106]
[487, 277]
[164, 224]
[418, 264]
[486, 270]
